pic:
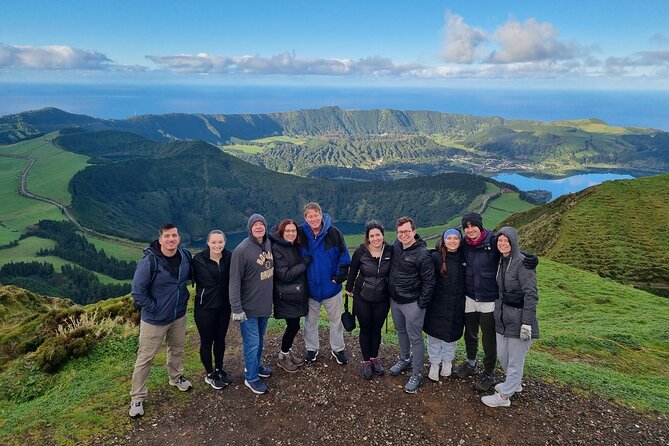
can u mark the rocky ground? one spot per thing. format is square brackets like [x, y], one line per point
[326, 403]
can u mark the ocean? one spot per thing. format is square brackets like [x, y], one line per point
[623, 108]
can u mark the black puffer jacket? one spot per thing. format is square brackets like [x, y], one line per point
[368, 276]
[445, 316]
[482, 261]
[411, 274]
[291, 298]
[211, 280]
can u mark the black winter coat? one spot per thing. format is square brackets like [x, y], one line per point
[368, 276]
[211, 280]
[411, 276]
[445, 316]
[291, 299]
[482, 261]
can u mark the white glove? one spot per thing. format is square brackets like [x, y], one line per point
[239, 317]
[525, 332]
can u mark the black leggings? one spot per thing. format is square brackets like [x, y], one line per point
[213, 326]
[292, 327]
[487, 323]
[370, 318]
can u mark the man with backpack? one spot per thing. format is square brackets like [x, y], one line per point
[159, 291]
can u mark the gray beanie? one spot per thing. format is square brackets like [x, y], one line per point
[253, 219]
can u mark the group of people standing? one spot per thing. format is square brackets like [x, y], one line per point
[295, 269]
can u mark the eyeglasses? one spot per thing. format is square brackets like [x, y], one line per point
[289, 230]
[407, 232]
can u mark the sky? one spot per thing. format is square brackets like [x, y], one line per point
[595, 44]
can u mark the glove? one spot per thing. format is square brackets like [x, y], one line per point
[530, 261]
[239, 317]
[307, 260]
[525, 332]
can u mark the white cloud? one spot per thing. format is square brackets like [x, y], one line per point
[461, 41]
[530, 41]
[52, 57]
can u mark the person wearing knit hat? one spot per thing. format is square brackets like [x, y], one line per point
[251, 290]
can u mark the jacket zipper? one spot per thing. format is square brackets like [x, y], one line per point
[202, 295]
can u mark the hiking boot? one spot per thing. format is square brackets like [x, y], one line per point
[377, 368]
[286, 363]
[341, 357]
[296, 358]
[264, 371]
[495, 400]
[214, 380]
[366, 370]
[258, 386]
[433, 374]
[415, 381]
[485, 382]
[311, 355]
[400, 366]
[136, 409]
[224, 376]
[181, 383]
[446, 368]
[464, 370]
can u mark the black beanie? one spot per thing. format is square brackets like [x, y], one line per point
[472, 218]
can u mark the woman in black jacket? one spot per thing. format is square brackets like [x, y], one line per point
[290, 294]
[445, 315]
[211, 272]
[368, 284]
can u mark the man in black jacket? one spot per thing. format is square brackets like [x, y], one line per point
[411, 284]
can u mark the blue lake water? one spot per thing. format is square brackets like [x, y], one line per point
[560, 186]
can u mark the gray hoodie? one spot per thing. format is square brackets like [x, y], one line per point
[251, 274]
[515, 280]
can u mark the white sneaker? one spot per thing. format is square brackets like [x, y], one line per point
[433, 374]
[136, 409]
[446, 368]
[495, 400]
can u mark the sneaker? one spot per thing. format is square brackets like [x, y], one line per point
[366, 370]
[224, 376]
[258, 387]
[214, 380]
[311, 355]
[495, 400]
[181, 383]
[464, 370]
[415, 381]
[377, 368]
[296, 358]
[485, 382]
[400, 366]
[433, 374]
[446, 368]
[264, 371]
[286, 363]
[340, 356]
[136, 409]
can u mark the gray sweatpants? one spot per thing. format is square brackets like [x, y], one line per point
[408, 320]
[511, 353]
[333, 308]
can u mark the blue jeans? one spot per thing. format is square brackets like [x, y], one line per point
[253, 332]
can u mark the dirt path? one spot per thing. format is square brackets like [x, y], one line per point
[325, 403]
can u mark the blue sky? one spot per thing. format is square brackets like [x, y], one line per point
[569, 44]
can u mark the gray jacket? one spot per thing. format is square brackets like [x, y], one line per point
[518, 296]
[252, 275]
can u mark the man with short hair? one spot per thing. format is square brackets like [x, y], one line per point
[411, 284]
[159, 290]
[325, 274]
[251, 291]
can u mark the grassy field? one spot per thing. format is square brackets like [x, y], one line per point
[129, 251]
[282, 138]
[242, 148]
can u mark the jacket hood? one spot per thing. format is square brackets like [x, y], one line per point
[154, 248]
[253, 219]
[512, 235]
[274, 237]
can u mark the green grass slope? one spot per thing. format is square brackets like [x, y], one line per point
[616, 229]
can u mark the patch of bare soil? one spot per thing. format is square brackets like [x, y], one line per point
[326, 403]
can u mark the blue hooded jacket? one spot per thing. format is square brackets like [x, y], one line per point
[330, 259]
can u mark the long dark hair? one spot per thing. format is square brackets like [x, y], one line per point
[282, 228]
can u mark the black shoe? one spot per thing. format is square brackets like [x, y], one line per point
[464, 370]
[340, 357]
[485, 382]
[377, 368]
[366, 370]
[224, 376]
[311, 355]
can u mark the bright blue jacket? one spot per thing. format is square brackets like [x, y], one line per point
[330, 259]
